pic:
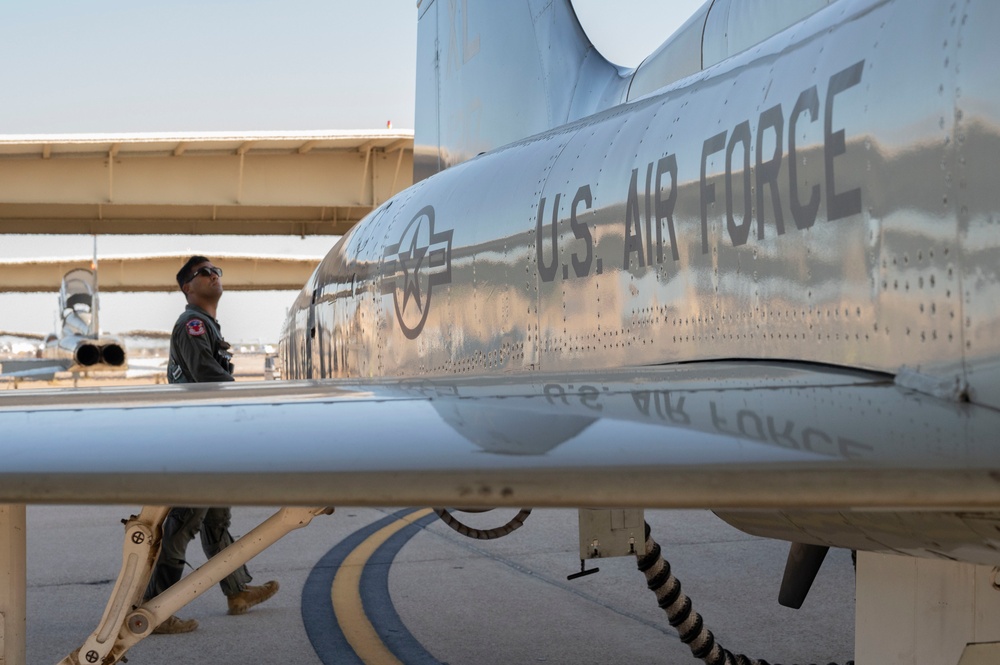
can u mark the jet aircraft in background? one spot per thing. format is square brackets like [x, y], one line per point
[756, 274]
[78, 345]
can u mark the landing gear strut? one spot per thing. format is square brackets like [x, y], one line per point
[127, 620]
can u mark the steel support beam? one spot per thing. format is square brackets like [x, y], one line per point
[203, 184]
[13, 584]
[155, 273]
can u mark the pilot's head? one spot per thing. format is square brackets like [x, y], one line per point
[200, 278]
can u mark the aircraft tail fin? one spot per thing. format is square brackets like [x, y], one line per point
[489, 73]
[77, 302]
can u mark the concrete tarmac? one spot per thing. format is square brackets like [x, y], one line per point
[431, 595]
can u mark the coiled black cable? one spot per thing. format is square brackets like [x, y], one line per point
[483, 534]
[680, 613]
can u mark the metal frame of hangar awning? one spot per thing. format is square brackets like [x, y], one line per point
[253, 183]
[155, 272]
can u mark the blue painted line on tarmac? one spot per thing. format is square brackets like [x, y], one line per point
[325, 635]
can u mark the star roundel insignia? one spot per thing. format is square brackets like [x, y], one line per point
[196, 327]
[420, 260]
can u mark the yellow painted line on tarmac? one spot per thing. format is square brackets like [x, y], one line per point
[346, 595]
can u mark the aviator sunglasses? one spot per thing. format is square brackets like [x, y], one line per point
[205, 271]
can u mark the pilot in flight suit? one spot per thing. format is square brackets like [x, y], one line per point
[198, 353]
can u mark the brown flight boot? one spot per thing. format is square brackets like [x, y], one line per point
[174, 625]
[252, 595]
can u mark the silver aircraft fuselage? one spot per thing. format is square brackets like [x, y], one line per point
[827, 196]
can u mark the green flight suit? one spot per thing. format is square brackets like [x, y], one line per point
[198, 353]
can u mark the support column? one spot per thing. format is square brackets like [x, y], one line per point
[912, 611]
[13, 584]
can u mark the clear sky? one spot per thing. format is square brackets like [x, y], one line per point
[109, 66]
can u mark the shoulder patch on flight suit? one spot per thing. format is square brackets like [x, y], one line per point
[196, 327]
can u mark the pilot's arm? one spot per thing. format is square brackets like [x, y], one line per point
[196, 353]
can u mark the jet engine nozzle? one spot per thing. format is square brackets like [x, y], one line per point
[88, 354]
[113, 354]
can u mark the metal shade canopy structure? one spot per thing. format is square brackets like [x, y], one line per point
[155, 272]
[260, 183]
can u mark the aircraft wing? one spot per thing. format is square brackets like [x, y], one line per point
[729, 435]
[33, 368]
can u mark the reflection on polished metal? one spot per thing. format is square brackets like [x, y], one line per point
[814, 186]
[749, 435]
[766, 283]
[769, 207]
